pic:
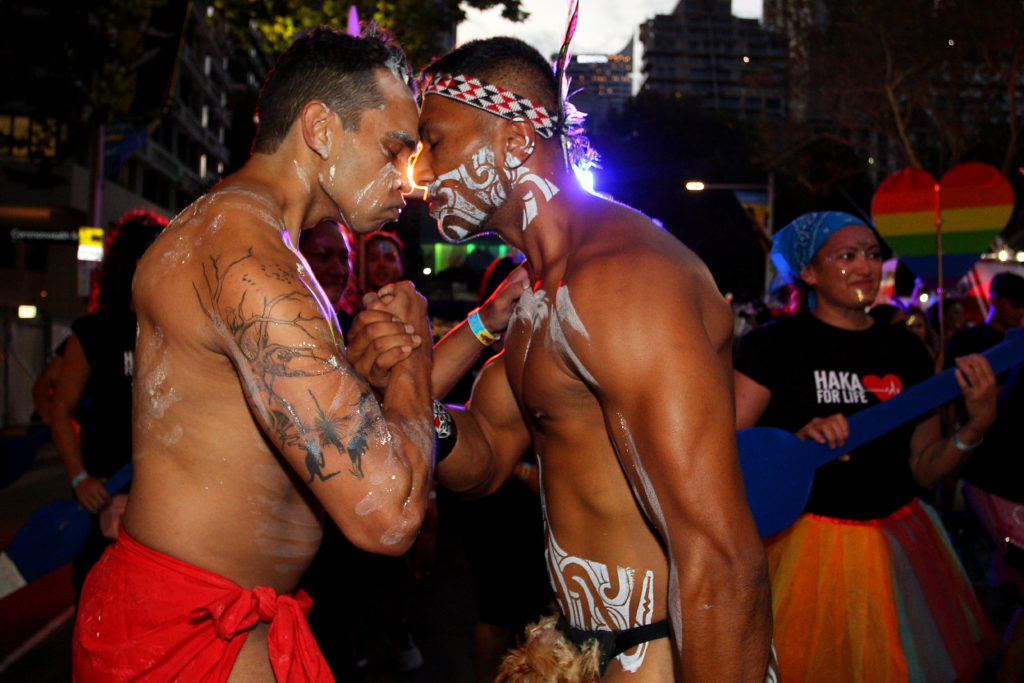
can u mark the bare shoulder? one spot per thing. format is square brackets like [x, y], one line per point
[221, 262]
[633, 275]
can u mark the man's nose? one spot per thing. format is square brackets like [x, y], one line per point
[422, 174]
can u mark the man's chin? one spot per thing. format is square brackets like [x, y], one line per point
[455, 234]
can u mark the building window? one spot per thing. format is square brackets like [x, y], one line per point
[23, 137]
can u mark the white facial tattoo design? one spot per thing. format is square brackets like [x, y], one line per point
[465, 196]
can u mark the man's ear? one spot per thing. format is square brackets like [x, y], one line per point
[520, 141]
[314, 121]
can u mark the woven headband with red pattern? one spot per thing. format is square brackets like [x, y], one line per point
[492, 99]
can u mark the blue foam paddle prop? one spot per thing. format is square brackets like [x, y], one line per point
[51, 538]
[778, 468]
[17, 453]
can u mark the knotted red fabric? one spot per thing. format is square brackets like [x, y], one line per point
[146, 616]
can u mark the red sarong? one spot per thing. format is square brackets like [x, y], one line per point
[147, 616]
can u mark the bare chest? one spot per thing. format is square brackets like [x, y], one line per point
[542, 357]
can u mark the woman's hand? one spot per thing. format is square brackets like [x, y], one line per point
[833, 430]
[981, 393]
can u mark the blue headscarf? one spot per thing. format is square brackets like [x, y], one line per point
[795, 245]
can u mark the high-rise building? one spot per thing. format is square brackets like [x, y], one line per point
[601, 83]
[729, 64]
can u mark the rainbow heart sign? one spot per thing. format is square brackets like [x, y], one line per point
[973, 200]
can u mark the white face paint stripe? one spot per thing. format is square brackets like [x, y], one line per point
[481, 179]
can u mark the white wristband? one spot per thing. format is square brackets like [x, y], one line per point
[78, 478]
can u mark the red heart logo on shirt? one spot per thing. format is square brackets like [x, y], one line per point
[883, 388]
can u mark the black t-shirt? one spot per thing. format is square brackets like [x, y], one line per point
[108, 339]
[997, 466]
[815, 370]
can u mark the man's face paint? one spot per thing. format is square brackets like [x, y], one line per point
[466, 184]
[462, 198]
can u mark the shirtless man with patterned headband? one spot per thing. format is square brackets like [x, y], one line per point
[621, 384]
[249, 421]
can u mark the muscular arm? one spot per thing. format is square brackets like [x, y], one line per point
[492, 436]
[663, 380]
[368, 463]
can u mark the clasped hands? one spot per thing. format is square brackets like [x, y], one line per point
[393, 324]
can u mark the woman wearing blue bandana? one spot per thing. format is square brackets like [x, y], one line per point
[865, 585]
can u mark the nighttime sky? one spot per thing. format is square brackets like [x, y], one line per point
[604, 25]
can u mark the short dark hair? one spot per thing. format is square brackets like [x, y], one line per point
[328, 65]
[126, 242]
[506, 62]
[1008, 285]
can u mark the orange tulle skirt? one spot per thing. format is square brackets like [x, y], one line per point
[884, 600]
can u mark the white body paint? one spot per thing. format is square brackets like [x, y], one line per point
[157, 394]
[655, 514]
[534, 308]
[565, 316]
[302, 175]
[523, 176]
[481, 179]
[610, 612]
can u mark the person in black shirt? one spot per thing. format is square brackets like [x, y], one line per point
[96, 376]
[994, 476]
[1006, 294]
[864, 584]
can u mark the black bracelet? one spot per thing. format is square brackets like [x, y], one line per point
[446, 432]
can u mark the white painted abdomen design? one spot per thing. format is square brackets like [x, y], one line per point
[593, 598]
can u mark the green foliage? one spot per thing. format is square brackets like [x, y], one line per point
[89, 62]
[420, 26]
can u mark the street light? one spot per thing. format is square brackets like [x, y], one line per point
[700, 186]
[766, 229]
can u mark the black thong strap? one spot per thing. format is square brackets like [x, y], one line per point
[613, 643]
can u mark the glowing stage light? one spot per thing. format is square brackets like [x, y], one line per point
[27, 312]
[694, 186]
[586, 179]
